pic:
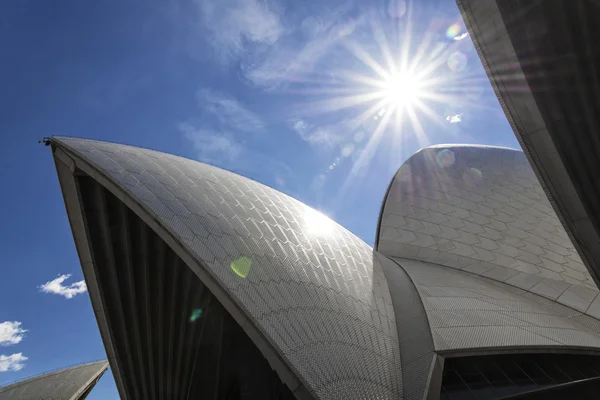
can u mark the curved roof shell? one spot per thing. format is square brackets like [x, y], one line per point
[334, 319]
[304, 287]
[469, 314]
[542, 61]
[72, 383]
[482, 210]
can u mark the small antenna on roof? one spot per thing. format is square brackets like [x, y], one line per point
[46, 141]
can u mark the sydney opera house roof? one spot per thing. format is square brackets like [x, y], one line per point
[481, 209]
[207, 284]
[73, 383]
[542, 59]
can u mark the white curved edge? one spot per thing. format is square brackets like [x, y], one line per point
[451, 145]
[286, 373]
[578, 296]
[435, 146]
[65, 167]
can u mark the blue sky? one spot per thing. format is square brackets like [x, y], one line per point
[293, 94]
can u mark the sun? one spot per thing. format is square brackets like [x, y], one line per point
[402, 90]
[393, 91]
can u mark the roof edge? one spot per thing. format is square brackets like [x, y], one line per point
[423, 149]
[285, 371]
[52, 372]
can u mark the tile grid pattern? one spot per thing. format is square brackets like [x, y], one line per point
[467, 311]
[317, 296]
[482, 210]
[63, 384]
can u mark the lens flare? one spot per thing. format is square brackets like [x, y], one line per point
[196, 314]
[472, 176]
[396, 8]
[408, 77]
[241, 266]
[457, 61]
[347, 150]
[445, 158]
[359, 136]
[453, 31]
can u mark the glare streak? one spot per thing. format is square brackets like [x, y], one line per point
[366, 58]
[339, 103]
[366, 153]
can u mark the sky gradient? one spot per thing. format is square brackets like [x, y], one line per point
[307, 97]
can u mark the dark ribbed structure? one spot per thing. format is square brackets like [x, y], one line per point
[174, 339]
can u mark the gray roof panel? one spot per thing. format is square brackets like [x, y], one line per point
[66, 384]
[306, 283]
[470, 313]
[550, 98]
[481, 209]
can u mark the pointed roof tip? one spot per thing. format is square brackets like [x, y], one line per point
[47, 141]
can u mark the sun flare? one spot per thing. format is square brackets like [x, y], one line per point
[395, 88]
[402, 90]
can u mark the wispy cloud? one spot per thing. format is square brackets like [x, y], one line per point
[216, 133]
[228, 112]
[56, 286]
[224, 133]
[289, 63]
[273, 44]
[453, 119]
[226, 151]
[292, 59]
[329, 135]
[14, 362]
[462, 36]
[11, 333]
[213, 147]
[233, 25]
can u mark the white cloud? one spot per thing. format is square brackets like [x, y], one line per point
[11, 333]
[56, 287]
[225, 151]
[234, 24]
[293, 61]
[213, 147]
[14, 362]
[228, 112]
[226, 134]
[327, 135]
[222, 119]
[288, 63]
[271, 49]
[462, 36]
[453, 119]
